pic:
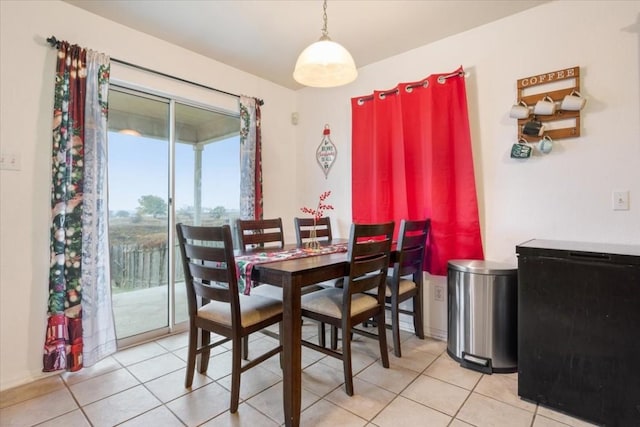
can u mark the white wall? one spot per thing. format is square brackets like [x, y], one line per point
[26, 109]
[566, 195]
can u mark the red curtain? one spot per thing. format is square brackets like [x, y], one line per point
[412, 159]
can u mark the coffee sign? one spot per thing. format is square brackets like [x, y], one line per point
[568, 73]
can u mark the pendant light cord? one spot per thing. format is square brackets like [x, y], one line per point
[325, 32]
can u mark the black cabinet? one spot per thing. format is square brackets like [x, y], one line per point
[579, 329]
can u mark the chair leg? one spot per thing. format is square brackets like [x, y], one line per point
[281, 355]
[418, 321]
[369, 322]
[245, 347]
[395, 327]
[334, 338]
[191, 357]
[346, 358]
[204, 356]
[236, 348]
[322, 341]
[382, 338]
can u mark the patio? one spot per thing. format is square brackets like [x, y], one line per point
[144, 310]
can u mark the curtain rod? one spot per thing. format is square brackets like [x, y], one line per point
[425, 82]
[56, 43]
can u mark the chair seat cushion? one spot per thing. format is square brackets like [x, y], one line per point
[404, 286]
[253, 309]
[329, 302]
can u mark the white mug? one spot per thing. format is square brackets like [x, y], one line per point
[545, 107]
[573, 102]
[545, 145]
[519, 111]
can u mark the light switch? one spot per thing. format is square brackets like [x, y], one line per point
[10, 161]
[621, 200]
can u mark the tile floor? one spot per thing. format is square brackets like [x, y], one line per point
[143, 386]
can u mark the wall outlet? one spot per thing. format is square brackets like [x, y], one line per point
[620, 200]
[438, 293]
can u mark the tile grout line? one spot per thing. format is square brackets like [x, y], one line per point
[80, 407]
[455, 417]
[315, 362]
[407, 386]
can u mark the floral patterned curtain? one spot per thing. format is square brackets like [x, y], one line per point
[80, 327]
[250, 159]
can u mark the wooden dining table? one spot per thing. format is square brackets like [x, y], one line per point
[292, 275]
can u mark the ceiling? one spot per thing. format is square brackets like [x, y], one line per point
[149, 117]
[265, 37]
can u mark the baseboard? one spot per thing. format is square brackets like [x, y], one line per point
[437, 334]
[434, 333]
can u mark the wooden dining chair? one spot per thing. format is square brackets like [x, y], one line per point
[259, 233]
[255, 234]
[304, 226]
[264, 233]
[405, 282]
[215, 305]
[343, 308]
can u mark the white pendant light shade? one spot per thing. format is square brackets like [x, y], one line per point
[325, 63]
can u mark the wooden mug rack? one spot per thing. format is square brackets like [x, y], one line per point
[541, 81]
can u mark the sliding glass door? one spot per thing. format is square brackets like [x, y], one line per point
[207, 176]
[169, 162]
[138, 161]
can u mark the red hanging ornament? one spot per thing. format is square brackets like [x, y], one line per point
[327, 152]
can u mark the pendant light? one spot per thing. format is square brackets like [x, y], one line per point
[325, 63]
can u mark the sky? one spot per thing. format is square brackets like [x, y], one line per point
[139, 166]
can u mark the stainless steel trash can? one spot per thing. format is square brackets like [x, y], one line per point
[482, 315]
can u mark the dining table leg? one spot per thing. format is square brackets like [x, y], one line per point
[291, 336]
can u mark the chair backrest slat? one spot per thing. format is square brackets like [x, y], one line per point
[218, 274]
[369, 255]
[304, 226]
[205, 252]
[364, 283]
[411, 262]
[367, 265]
[209, 266]
[261, 239]
[412, 241]
[371, 247]
[261, 232]
[212, 292]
